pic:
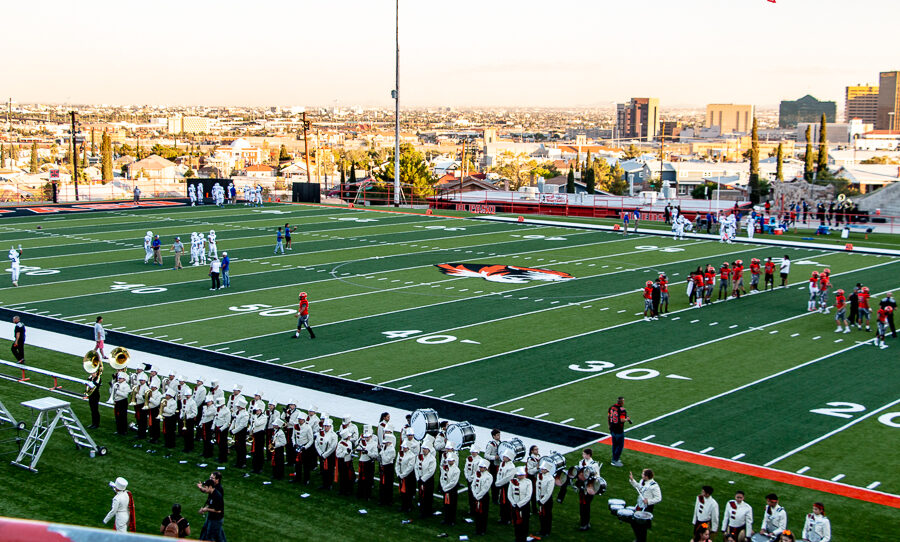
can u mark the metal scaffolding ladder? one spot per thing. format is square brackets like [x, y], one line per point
[6, 417]
[49, 412]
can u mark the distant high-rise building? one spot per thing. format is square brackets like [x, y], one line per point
[806, 109]
[189, 125]
[638, 119]
[730, 117]
[861, 102]
[888, 117]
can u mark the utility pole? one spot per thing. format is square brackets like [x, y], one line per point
[306, 146]
[74, 156]
[396, 97]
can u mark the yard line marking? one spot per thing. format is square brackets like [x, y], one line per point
[802, 470]
[592, 426]
[364, 379]
[817, 337]
[732, 326]
[542, 415]
[648, 437]
[307, 367]
[276, 359]
[426, 391]
[676, 444]
[326, 371]
[832, 433]
[520, 409]
[448, 395]
[714, 323]
[255, 356]
[738, 456]
[345, 374]
[773, 332]
[795, 335]
[567, 420]
[707, 450]
[739, 388]
[838, 477]
[220, 349]
[466, 401]
[238, 352]
[873, 485]
[404, 387]
[192, 342]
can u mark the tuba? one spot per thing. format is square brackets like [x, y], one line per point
[91, 362]
[120, 358]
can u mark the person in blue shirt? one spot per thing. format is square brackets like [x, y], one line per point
[279, 242]
[226, 266]
[233, 193]
[156, 245]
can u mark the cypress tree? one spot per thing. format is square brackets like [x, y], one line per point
[106, 157]
[343, 176]
[590, 179]
[2, 156]
[352, 172]
[822, 163]
[84, 161]
[570, 180]
[93, 144]
[33, 167]
[808, 159]
[779, 166]
[13, 153]
[753, 184]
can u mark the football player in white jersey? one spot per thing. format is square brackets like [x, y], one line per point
[14, 256]
[213, 249]
[201, 248]
[148, 252]
[192, 194]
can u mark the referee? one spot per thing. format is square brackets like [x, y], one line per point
[18, 345]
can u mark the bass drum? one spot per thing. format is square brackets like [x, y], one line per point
[517, 447]
[559, 465]
[461, 435]
[424, 422]
[596, 486]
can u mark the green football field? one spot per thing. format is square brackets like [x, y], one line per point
[758, 379]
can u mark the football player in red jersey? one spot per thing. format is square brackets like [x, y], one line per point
[737, 279]
[824, 284]
[840, 306]
[770, 273]
[881, 325]
[709, 282]
[813, 291]
[303, 317]
[663, 293]
[864, 310]
[698, 287]
[648, 300]
[724, 279]
[754, 275]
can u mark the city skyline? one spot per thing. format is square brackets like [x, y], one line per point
[467, 54]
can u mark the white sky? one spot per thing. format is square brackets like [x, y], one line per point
[509, 53]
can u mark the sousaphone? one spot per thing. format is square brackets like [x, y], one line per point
[120, 358]
[92, 363]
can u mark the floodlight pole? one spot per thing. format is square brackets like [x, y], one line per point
[74, 156]
[396, 94]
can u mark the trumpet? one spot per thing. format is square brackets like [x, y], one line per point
[133, 395]
[120, 357]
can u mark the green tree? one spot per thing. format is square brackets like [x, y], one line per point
[703, 191]
[33, 166]
[590, 179]
[93, 144]
[631, 152]
[822, 165]
[413, 171]
[189, 173]
[753, 183]
[614, 183]
[808, 157]
[283, 155]
[515, 169]
[352, 172]
[84, 161]
[106, 162]
[779, 165]
[570, 181]
[13, 152]
[343, 177]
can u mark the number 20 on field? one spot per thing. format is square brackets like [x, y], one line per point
[840, 409]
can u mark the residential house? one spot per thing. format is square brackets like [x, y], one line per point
[260, 171]
[153, 167]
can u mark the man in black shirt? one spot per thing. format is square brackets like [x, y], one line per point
[18, 345]
[889, 301]
[854, 305]
[617, 418]
[215, 513]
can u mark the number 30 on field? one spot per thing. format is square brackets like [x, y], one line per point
[840, 409]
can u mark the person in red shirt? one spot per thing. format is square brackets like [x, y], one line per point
[754, 275]
[663, 293]
[709, 282]
[770, 273]
[824, 284]
[303, 317]
[737, 279]
[864, 310]
[813, 291]
[648, 300]
[881, 326]
[698, 287]
[840, 306]
[724, 280]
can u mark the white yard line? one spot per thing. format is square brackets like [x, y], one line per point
[832, 433]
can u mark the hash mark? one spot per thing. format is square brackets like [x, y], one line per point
[873, 485]
[404, 387]
[448, 395]
[648, 437]
[307, 367]
[676, 444]
[738, 456]
[838, 477]
[517, 410]
[344, 374]
[817, 337]
[706, 450]
[542, 415]
[567, 420]
[795, 335]
[426, 391]
[732, 326]
[470, 400]
[802, 470]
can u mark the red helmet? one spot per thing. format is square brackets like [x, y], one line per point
[826, 271]
[865, 289]
[662, 275]
[839, 292]
[739, 262]
[725, 264]
[889, 309]
[302, 295]
[649, 283]
[815, 273]
[754, 260]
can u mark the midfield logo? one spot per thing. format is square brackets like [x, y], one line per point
[502, 273]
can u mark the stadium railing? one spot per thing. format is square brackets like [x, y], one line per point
[25, 369]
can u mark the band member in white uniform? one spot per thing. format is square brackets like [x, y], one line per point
[817, 527]
[151, 408]
[413, 444]
[449, 489]
[344, 461]
[426, 464]
[303, 442]
[387, 454]
[406, 472]
[469, 470]
[590, 469]
[170, 418]
[492, 454]
[519, 494]
[532, 468]
[121, 506]
[368, 454]
[233, 399]
[240, 420]
[543, 489]
[738, 517]
[706, 510]
[118, 396]
[188, 418]
[221, 425]
[649, 495]
[279, 441]
[258, 431]
[207, 416]
[505, 474]
[326, 444]
[480, 489]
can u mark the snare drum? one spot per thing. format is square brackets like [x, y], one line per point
[424, 422]
[616, 502]
[757, 537]
[517, 447]
[642, 518]
[557, 460]
[625, 514]
[461, 435]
